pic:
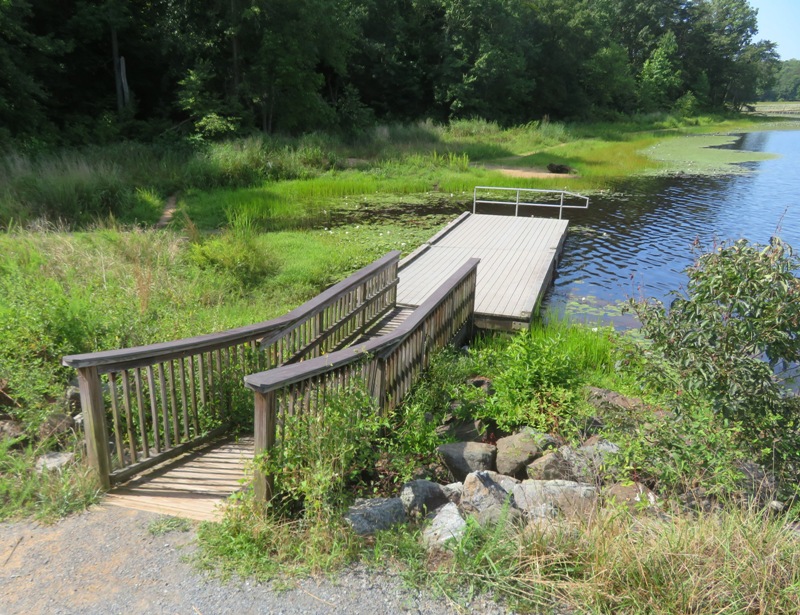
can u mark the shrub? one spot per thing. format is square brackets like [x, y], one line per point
[732, 341]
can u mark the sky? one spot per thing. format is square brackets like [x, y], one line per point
[779, 22]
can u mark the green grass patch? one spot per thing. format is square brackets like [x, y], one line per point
[45, 496]
[165, 524]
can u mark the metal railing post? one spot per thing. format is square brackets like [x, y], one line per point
[516, 208]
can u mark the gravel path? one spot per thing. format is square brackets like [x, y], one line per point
[106, 561]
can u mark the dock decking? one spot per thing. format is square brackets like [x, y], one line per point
[518, 259]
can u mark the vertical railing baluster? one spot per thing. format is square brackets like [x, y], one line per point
[140, 403]
[112, 384]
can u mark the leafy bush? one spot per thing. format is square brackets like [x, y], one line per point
[325, 453]
[732, 341]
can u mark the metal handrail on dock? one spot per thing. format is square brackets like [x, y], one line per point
[517, 202]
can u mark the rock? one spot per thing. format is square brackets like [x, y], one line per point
[480, 382]
[453, 492]
[72, 400]
[776, 506]
[635, 496]
[370, 516]
[9, 428]
[461, 458]
[698, 499]
[551, 466]
[515, 452]
[561, 169]
[422, 497]
[611, 401]
[597, 450]
[462, 431]
[536, 497]
[756, 484]
[487, 500]
[57, 424]
[592, 425]
[447, 524]
[53, 461]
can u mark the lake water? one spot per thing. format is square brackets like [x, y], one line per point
[638, 243]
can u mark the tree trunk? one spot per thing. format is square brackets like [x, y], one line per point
[117, 71]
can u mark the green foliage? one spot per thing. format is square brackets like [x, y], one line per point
[165, 524]
[660, 79]
[672, 454]
[323, 454]
[48, 495]
[731, 341]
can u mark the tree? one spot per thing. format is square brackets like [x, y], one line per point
[488, 48]
[787, 82]
[660, 80]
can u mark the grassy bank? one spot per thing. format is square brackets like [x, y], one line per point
[280, 182]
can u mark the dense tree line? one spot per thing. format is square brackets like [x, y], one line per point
[79, 70]
[786, 85]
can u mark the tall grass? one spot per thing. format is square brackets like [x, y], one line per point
[129, 180]
[734, 562]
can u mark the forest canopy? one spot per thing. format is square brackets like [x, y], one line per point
[81, 71]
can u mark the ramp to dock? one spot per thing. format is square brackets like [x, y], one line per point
[518, 260]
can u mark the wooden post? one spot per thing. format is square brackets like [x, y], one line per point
[94, 418]
[264, 440]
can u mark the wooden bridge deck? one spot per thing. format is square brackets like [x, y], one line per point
[518, 259]
[193, 486]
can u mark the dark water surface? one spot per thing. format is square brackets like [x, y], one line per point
[639, 243]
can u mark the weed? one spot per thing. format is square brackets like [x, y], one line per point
[164, 524]
[47, 495]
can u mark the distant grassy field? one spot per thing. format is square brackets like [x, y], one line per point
[789, 108]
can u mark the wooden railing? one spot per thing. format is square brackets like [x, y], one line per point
[388, 365]
[166, 398]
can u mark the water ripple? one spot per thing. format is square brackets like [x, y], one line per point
[640, 243]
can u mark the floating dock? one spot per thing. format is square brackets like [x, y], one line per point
[518, 261]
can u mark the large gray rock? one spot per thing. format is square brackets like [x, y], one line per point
[422, 497]
[53, 461]
[462, 431]
[453, 492]
[536, 497]
[551, 466]
[486, 500]
[515, 452]
[447, 524]
[376, 514]
[612, 402]
[56, 425]
[461, 458]
[635, 496]
[10, 428]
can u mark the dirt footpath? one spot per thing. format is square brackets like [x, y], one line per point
[106, 561]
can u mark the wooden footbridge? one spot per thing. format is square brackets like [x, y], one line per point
[157, 417]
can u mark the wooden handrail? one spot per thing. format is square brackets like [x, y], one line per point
[168, 395]
[388, 364]
[277, 378]
[108, 360]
